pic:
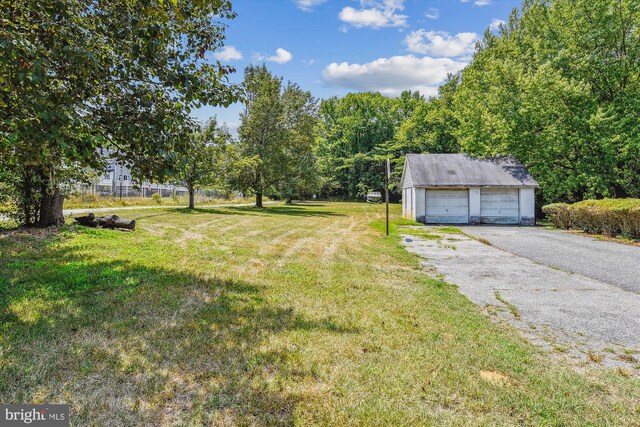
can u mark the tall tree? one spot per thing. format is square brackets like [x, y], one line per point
[276, 133]
[202, 162]
[81, 75]
[558, 87]
[300, 123]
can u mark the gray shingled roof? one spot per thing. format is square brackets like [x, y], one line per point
[460, 170]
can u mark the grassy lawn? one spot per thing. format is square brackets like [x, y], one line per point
[302, 315]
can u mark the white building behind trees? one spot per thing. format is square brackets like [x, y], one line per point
[117, 181]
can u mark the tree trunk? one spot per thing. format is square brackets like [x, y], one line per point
[27, 200]
[51, 207]
[109, 221]
[258, 200]
[192, 198]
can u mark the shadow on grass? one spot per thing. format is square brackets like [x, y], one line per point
[290, 210]
[128, 344]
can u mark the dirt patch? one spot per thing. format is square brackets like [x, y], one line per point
[37, 233]
[495, 377]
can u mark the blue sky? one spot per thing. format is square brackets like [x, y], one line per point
[333, 47]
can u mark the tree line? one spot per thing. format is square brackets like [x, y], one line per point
[558, 86]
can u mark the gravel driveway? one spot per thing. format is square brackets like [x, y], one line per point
[574, 295]
[609, 262]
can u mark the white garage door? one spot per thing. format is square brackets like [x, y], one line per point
[447, 206]
[499, 206]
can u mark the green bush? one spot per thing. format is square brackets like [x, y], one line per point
[157, 198]
[559, 214]
[612, 217]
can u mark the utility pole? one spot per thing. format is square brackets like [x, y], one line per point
[387, 172]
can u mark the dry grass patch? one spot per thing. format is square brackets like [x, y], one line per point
[495, 378]
[595, 357]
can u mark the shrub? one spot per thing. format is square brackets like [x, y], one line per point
[559, 214]
[157, 198]
[612, 217]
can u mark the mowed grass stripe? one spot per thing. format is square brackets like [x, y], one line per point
[301, 315]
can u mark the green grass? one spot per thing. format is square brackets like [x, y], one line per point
[421, 233]
[450, 230]
[304, 315]
[512, 308]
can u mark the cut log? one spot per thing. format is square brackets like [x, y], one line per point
[109, 221]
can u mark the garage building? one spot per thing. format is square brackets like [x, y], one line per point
[458, 189]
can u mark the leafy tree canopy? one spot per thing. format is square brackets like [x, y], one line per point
[277, 140]
[203, 160]
[559, 88]
[77, 76]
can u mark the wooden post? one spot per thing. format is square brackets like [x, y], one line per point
[387, 172]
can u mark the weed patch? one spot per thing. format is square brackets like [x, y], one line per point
[512, 308]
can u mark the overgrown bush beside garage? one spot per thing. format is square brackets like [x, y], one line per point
[559, 214]
[612, 217]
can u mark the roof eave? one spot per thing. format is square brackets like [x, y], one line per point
[473, 186]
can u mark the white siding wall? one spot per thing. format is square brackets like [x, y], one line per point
[419, 204]
[404, 203]
[408, 196]
[408, 180]
[412, 203]
[527, 206]
[474, 205]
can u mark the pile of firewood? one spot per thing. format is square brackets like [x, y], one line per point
[109, 221]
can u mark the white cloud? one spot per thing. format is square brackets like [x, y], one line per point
[228, 53]
[308, 5]
[232, 127]
[495, 24]
[390, 76]
[375, 14]
[478, 2]
[308, 62]
[432, 13]
[282, 56]
[441, 43]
